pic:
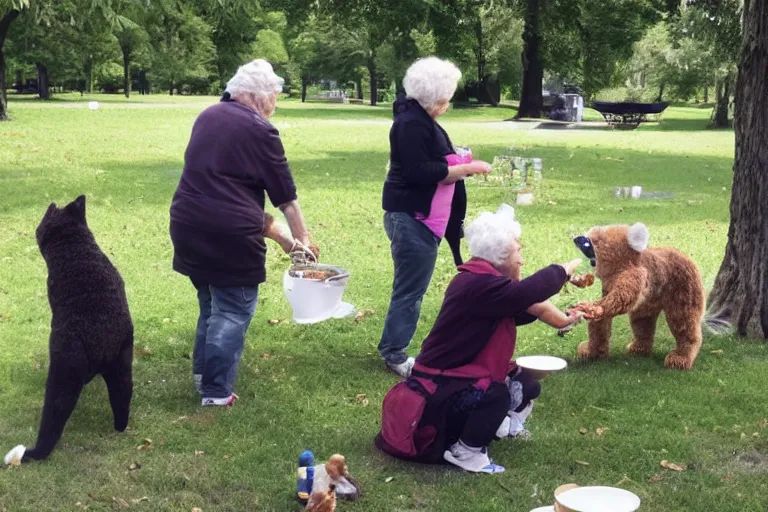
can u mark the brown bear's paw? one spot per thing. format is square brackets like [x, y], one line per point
[640, 349]
[676, 361]
[586, 353]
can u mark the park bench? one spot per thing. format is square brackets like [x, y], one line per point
[628, 115]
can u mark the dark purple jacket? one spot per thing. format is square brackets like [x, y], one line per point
[217, 213]
[418, 146]
[473, 306]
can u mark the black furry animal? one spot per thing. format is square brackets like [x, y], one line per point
[91, 328]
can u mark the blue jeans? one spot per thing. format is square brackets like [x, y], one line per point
[225, 314]
[414, 253]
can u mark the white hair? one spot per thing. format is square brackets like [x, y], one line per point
[490, 235]
[430, 80]
[256, 77]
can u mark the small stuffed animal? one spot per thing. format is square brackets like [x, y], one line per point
[91, 327]
[643, 283]
[335, 473]
[323, 501]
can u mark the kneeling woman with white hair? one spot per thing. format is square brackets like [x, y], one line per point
[464, 388]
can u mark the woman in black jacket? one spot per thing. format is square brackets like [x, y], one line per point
[424, 198]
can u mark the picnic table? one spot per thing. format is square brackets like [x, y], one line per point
[627, 115]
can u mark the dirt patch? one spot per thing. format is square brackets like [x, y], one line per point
[753, 462]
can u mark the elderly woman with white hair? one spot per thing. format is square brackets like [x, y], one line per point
[233, 157]
[423, 198]
[465, 390]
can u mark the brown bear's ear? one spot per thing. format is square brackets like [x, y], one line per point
[638, 236]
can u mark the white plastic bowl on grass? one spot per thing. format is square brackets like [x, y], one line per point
[541, 366]
[597, 499]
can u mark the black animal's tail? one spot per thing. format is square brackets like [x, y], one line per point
[62, 390]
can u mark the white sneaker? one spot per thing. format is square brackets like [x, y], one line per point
[403, 369]
[475, 460]
[513, 425]
[14, 456]
[198, 378]
[227, 401]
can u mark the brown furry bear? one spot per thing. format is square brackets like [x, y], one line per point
[643, 282]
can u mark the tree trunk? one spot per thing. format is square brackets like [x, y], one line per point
[706, 94]
[531, 101]
[740, 293]
[359, 87]
[303, 89]
[89, 77]
[43, 85]
[720, 115]
[5, 23]
[127, 72]
[661, 93]
[372, 72]
[170, 89]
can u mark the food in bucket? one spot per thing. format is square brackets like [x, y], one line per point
[310, 273]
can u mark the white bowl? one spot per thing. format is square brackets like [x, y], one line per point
[315, 301]
[599, 499]
[542, 363]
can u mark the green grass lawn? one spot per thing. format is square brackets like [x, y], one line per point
[299, 384]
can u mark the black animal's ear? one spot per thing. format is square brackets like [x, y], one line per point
[50, 210]
[77, 207]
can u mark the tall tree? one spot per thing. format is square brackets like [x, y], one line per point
[9, 11]
[181, 44]
[132, 39]
[531, 101]
[48, 12]
[741, 287]
[373, 23]
[718, 24]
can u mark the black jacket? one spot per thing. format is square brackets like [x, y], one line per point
[418, 146]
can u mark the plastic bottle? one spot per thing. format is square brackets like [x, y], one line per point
[305, 476]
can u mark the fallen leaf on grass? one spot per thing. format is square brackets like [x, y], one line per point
[144, 351]
[582, 463]
[266, 356]
[671, 466]
[146, 445]
[716, 352]
[361, 398]
[120, 502]
[625, 480]
[134, 466]
[727, 478]
[179, 419]
[656, 479]
[139, 500]
[763, 423]
[583, 431]
[364, 314]
[389, 479]
[197, 509]
[743, 435]
[199, 453]
[600, 431]
[274, 321]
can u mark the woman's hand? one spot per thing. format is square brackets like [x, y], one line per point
[461, 171]
[571, 266]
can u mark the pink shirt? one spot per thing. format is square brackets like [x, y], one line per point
[440, 211]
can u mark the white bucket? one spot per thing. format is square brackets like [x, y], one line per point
[313, 300]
